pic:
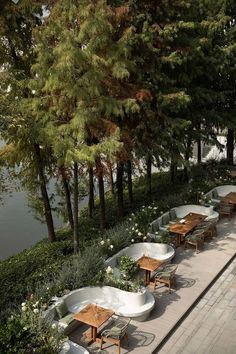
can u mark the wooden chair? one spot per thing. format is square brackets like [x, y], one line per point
[196, 239]
[225, 209]
[115, 331]
[209, 228]
[166, 275]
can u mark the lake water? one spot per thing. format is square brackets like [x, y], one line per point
[18, 227]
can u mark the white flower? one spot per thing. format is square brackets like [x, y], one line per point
[36, 304]
[136, 225]
[130, 219]
[23, 308]
[139, 234]
[133, 228]
[155, 208]
[23, 304]
[137, 230]
[148, 234]
[111, 247]
[36, 311]
[132, 240]
[54, 325]
[108, 240]
[25, 328]
[124, 275]
[161, 212]
[109, 270]
[126, 229]
[132, 214]
[102, 242]
[149, 207]
[144, 237]
[156, 233]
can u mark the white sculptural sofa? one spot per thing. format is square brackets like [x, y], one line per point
[183, 210]
[72, 348]
[162, 223]
[136, 305]
[160, 251]
[218, 192]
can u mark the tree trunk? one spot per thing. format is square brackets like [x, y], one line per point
[44, 193]
[99, 169]
[76, 210]
[149, 175]
[119, 186]
[199, 145]
[230, 146]
[67, 197]
[111, 180]
[187, 156]
[173, 171]
[91, 192]
[130, 183]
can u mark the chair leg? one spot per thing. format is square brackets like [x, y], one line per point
[119, 347]
[127, 338]
[101, 343]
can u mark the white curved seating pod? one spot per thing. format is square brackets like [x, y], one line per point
[221, 191]
[183, 210]
[129, 304]
[72, 348]
[160, 251]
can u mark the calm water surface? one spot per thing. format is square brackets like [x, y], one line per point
[18, 227]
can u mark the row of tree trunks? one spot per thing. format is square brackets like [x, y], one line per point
[119, 188]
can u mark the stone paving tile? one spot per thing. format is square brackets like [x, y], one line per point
[195, 272]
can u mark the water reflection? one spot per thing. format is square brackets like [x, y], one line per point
[18, 228]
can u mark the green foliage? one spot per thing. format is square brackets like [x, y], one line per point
[20, 274]
[115, 239]
[128, 267]
[29, 332]
[123, 283]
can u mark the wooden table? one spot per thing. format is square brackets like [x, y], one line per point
[230, 198]
[190, 221]
[94, 316]
[149, 265]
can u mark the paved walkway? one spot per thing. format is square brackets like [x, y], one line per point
[211, 327]
[196, 272]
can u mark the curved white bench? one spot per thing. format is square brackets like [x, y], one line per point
[129, 304]
[162, 223]
[160, 251]
[220, 191]
[183, 210]
[72, 348]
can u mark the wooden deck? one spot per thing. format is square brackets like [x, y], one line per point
[195, 274]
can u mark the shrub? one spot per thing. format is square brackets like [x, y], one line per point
[128, 267]
[29, 332]
[20, 274]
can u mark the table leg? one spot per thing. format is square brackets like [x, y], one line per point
[147, 277]
[94, 333]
